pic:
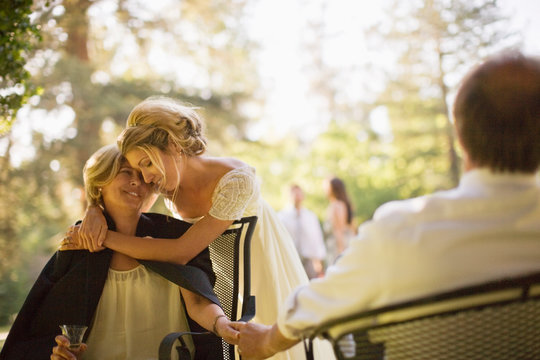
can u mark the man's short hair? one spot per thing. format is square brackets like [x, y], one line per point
[497, 114]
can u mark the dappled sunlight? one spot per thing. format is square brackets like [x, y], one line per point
[300, 90]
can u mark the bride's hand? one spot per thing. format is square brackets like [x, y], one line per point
[93, 230]
[72, 240]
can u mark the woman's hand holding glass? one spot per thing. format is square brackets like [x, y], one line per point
[63, 352]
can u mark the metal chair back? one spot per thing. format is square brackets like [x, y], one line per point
[230, 254]
[495, 320]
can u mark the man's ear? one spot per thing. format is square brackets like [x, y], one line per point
[467, 162]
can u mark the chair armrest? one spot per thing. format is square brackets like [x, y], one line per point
[248, 309]
[168, 341]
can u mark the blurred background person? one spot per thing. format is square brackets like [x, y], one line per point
[338, 226]
[305, 229]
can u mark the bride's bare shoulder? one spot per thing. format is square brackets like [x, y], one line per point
[227, 164]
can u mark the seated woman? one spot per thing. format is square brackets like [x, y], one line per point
[128, 305]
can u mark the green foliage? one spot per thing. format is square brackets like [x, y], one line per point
[207, 40]
[368, 165]
[436, 42]
[13, 289]
[47, 200]
[33, 210]
[17, 38]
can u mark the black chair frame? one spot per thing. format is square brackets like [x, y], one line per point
[233, 278]
[494, 296]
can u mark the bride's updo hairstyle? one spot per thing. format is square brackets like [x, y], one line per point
[161, 121]
[158, 122]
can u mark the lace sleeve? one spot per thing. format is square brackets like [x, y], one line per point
[234, 193]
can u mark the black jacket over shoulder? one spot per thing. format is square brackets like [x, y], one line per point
[69, 288]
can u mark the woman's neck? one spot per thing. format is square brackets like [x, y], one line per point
[195, 173]
[126, 223]
[199, 177]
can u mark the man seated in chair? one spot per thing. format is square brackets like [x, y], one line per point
[487, 228]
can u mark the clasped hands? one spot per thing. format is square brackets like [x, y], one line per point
[257, 341]
[74, 239]
[89, 235]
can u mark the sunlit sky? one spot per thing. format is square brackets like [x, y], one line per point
[284, 59]
[281, 29]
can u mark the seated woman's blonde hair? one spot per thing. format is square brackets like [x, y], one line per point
[100, 169]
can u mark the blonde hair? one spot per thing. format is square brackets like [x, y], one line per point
[158, 122]
[100, 169]
[161, 121]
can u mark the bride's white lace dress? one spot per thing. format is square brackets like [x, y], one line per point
[276, 268]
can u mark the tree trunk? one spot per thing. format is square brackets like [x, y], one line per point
[452, 155]
[76, 26]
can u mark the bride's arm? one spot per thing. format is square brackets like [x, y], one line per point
[236, 191]
[93, 230]
[180, 250]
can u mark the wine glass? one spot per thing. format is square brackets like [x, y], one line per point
[74, 333]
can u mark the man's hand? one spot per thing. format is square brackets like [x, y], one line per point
[226, 329]
[254, 340]
[261, 341]
[62, 351]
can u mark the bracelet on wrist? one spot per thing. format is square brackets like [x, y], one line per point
[214, 330]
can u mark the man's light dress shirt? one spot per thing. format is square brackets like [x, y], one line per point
[306, 232]
[486, 228]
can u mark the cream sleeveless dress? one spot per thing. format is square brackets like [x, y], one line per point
[276, 268]
[331, 242]
[137, 308]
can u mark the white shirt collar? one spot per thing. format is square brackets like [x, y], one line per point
[484, 177]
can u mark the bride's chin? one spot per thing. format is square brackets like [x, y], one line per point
[170, 189]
